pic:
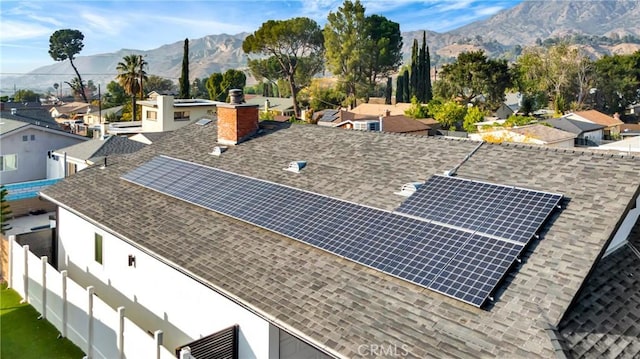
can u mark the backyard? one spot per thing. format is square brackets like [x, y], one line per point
[22, 335]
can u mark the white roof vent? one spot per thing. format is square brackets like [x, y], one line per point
[296, 166]
[218, 150]
[409, 188]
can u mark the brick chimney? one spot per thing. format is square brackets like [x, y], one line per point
[236, 121]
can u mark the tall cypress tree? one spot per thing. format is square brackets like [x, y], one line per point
[406, 93]
[400, 89]
[420, 86]
[413, 82]
[387, 91]
[428, 92]
[184, 78]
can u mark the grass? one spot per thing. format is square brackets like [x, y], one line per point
[22, 335]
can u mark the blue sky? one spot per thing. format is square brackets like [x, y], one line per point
[108, 26]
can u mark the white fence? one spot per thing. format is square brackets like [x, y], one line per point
[99, 330]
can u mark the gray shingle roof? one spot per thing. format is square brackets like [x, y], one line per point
[336, 304]
[95, 148]
[606, 320]
[574, 126]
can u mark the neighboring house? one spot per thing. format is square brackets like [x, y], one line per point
[374, 109]
[282, 106]
[66, 161]
[164, 113]
[510, 106]
[23, 154]
[532, 134]
[611, 123]
[630, 130]
[587, 133]
[99, 116]
[627, 145]
[33, 113]
[394, 124]
[140, 232]
[67, 111]
[24, 144]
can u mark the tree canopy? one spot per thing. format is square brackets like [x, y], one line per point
[218, 85]
[473, 74]
[297, 45]
[158, 84]
[66, 44]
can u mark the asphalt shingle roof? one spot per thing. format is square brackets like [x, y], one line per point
[99, 148]
[574, 126]
[606, 320]
[336, 304]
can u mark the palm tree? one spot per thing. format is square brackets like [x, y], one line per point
[131, 75]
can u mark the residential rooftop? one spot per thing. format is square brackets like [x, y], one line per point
[333, 303]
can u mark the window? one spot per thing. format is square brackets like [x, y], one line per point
[181, 116]
[98, 248]
[25, 138]
[33, 137]
[9, 162]
[152, 115]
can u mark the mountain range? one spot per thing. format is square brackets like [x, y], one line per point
[528, 23]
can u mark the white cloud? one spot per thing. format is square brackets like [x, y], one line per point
[19, 30]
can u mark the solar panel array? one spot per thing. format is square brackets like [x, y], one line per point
[454, 261]
[507, 212]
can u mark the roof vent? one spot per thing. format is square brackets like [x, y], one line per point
[218, 150]
[203, 121]
[409, 188]
[296, 166]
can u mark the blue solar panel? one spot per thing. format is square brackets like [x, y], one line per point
[454, 261]
[507, 212]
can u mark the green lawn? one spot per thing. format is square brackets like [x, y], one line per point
[23, 336]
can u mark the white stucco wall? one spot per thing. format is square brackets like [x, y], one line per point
[32, 154]
[165, 115]
[56, 165]
[155, 295]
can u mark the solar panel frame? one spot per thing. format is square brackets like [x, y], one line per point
[418, 250]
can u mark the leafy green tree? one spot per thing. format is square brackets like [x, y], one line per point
[184, 77]
[77, 87]
[560, 72]
[384, 54]
[297, 45]
[199, 88]
[322, 97]
[218, 85]
[417, 110]
[346, 41]
[26, 96]
[449, 114]
[216, 90]
[617, 80]
[5, 210]
[473, 74]
[115, 96]
[66, 44]
[473, 116]
[158, 84]
[131, 76]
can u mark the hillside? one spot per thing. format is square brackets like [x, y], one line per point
[529, 22]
